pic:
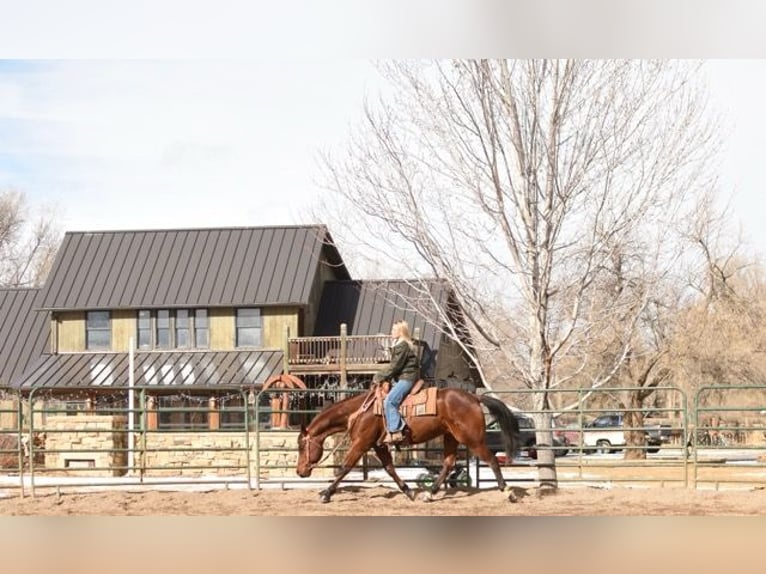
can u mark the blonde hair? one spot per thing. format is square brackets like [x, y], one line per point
[404, 330]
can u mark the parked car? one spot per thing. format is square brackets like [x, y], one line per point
[606, 434]
[527, 438]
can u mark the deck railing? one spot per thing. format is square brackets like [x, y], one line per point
[337, 350]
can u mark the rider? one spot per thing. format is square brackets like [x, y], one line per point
[403, 371]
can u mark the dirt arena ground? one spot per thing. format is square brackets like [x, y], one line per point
[383, 501]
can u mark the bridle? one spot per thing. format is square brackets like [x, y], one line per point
[309, 439]
[368, 401]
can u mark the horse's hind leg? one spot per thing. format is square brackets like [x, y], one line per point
[384, 455]
[489, 457]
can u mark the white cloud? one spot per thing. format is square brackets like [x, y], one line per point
[141, 144]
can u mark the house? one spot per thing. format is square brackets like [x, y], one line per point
[210, 312]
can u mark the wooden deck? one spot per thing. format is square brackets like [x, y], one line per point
[354, 354]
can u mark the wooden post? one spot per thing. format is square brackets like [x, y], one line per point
[343, 348]
[276, 404]
[284, 417]
[214, 415]
[286, 351]
[151, 414]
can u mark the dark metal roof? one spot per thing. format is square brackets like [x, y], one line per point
[371, 307]
[24, 334]
[210, 368]
[188, 268]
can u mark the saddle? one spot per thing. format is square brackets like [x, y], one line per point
[418, 402]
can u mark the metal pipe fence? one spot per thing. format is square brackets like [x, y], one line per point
[590, 435]
[728, 436]
[79, 439]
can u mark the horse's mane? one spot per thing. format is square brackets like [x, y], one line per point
[339, 411]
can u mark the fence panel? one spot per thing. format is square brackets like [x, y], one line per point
[14, 452]
[86, 437]
[278, 453]
[604, 453]
[729, 436]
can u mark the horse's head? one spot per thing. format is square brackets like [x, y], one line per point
[309, 453]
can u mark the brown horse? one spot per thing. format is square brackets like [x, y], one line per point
[459, 419]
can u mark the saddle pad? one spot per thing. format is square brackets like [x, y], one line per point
[422, 403]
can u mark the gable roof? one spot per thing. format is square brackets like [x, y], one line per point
[24, 334]
[371, 307]
[217, 267]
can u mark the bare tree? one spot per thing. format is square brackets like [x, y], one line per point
[721, 337]
[28, 242]
[513, 180]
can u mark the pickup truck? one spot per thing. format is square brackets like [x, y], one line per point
[606, 434]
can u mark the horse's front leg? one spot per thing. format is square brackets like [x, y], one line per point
[355, 452]
[384, 455]
[450, 456]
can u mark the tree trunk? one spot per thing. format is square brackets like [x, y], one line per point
[635, 439]
[546, 461]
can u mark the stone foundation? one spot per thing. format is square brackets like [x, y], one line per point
[87, 442]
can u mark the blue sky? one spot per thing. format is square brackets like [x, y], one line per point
[147, 144]
[129, 144]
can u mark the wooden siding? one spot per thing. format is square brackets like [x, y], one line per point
[222, 329]
[71, 331]
[123, 328]
[274, 321]
[450, 361]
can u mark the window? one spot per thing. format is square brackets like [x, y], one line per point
[162, 330]
[98, 331]
[232, 411]
[183, 329]
[144, 329]
[201, 329]
[173, 329]
[183, 413]
[249, 327]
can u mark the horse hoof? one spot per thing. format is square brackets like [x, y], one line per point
[427, 497]
[511, 494]
[409, 493]
[324, 497]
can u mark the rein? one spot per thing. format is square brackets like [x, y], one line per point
[368, 402]
[309, 439]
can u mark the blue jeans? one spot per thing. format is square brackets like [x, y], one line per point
[392, 402]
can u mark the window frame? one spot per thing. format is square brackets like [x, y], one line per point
[90, 329]
[193, 413]
[240, 329]
[172, 328]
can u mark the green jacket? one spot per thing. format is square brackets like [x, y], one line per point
[403, 364]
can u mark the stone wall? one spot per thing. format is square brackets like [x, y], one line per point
[87, 442]
[223, 453]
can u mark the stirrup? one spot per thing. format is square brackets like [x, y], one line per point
[394, 437]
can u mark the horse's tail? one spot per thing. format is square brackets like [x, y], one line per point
[509, 426]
